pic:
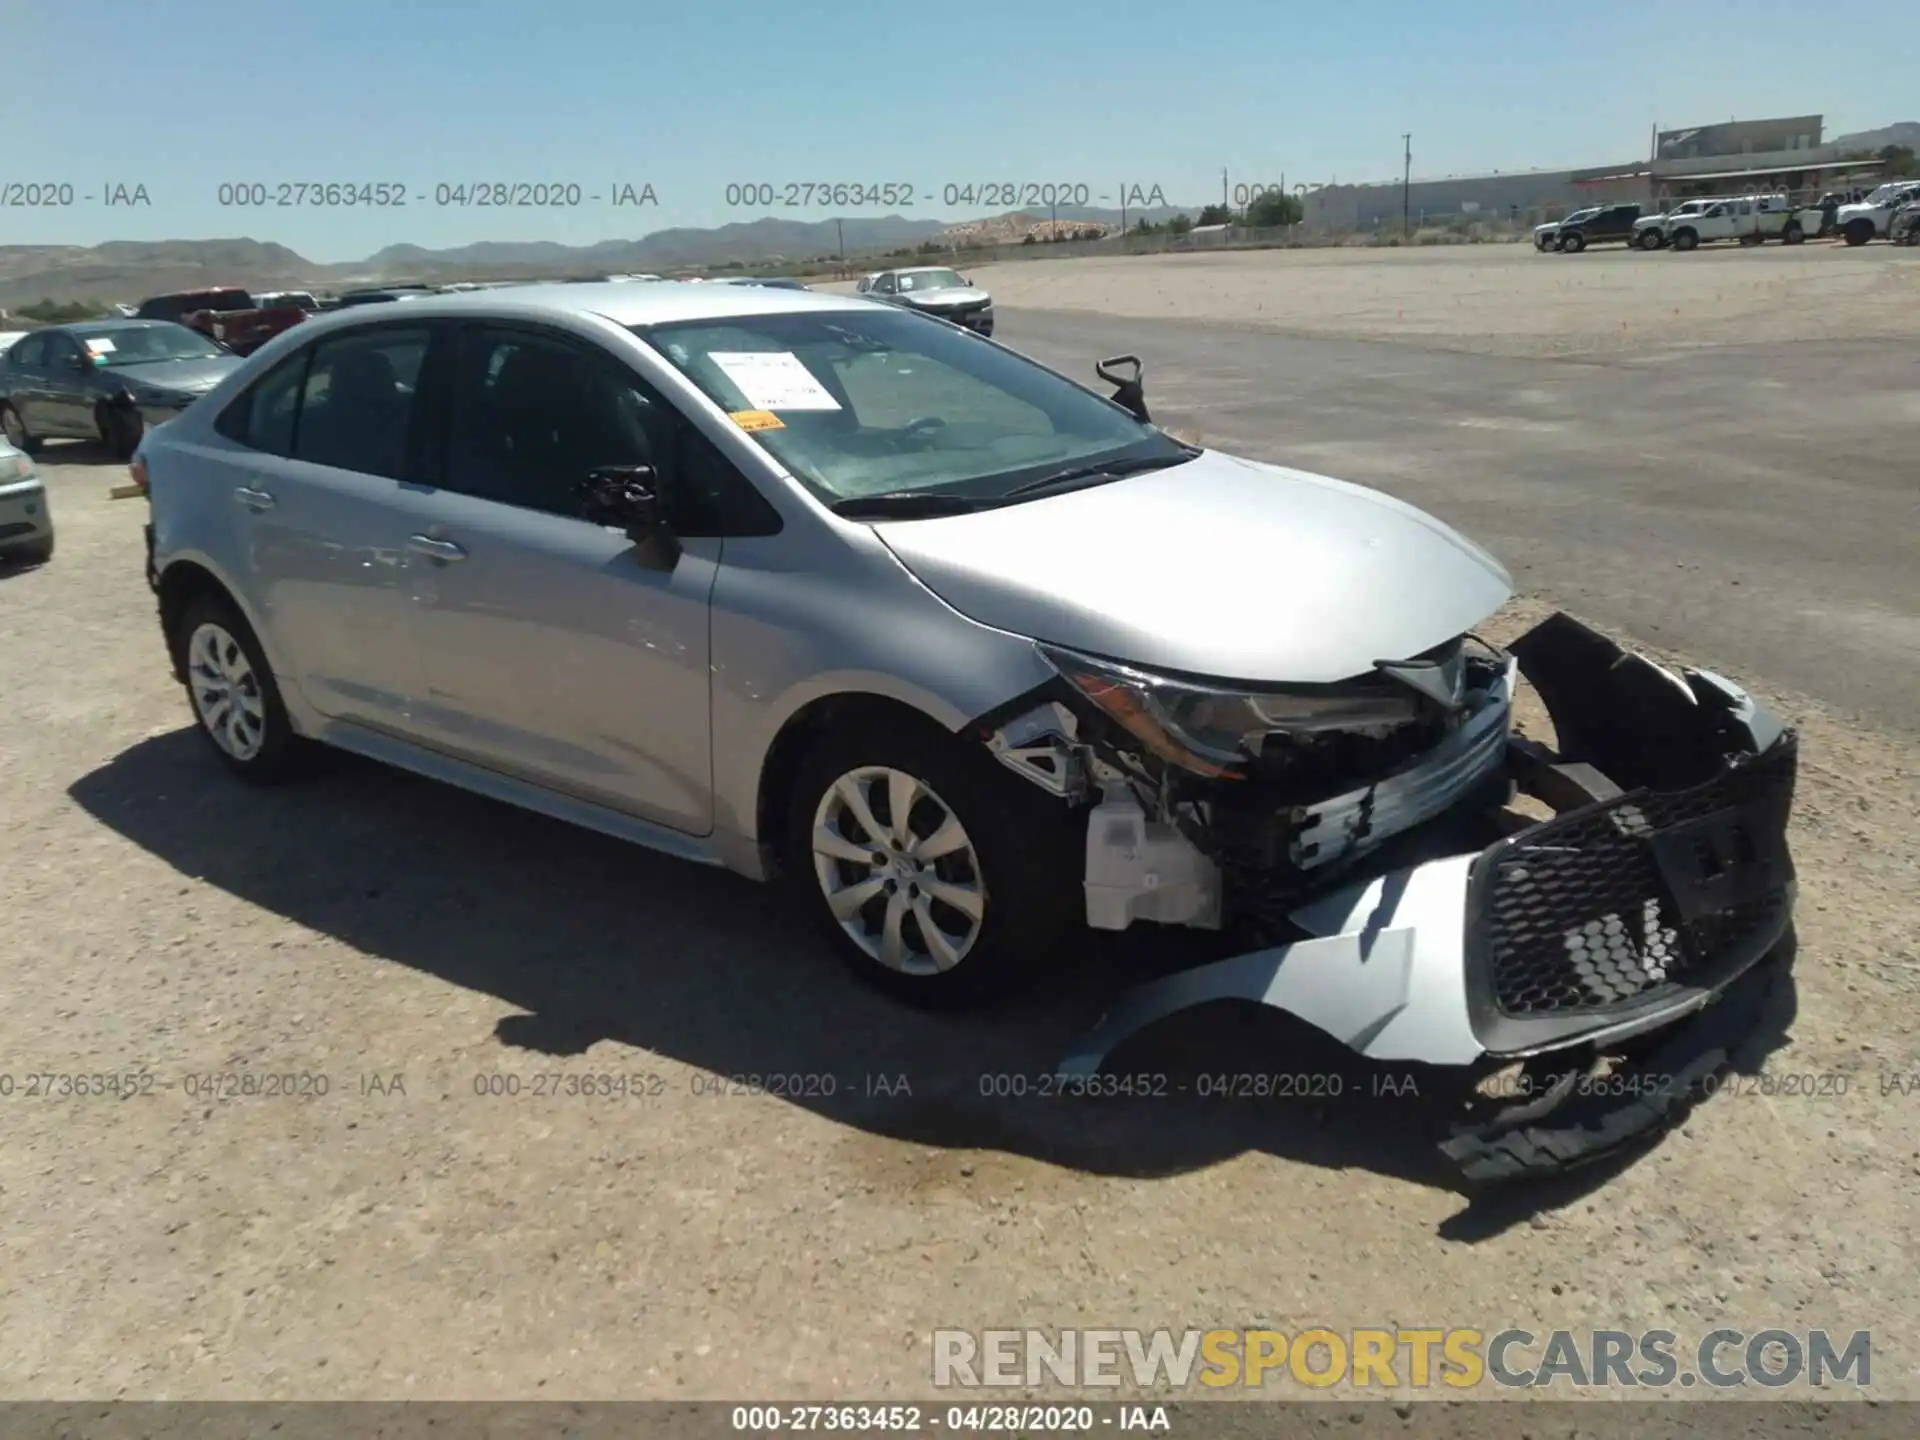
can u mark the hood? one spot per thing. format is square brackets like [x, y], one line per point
[1861, 207]
[1543, 229]
[1219, 567]
[186, 377]
[953, 297]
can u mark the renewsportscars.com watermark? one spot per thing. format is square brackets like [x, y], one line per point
[1455, 1359]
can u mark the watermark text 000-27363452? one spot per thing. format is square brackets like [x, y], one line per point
[901, 194]
[471, 194]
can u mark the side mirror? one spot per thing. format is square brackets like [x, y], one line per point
[629, 496]
[1128, 392]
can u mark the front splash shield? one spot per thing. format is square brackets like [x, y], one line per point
[1663, 881]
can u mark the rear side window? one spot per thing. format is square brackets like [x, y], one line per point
[263, 417]
[357, 402]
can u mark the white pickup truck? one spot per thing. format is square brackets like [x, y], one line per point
[1650, 231]
[1861, 222]
[1750, 219]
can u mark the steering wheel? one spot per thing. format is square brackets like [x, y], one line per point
[922, 427]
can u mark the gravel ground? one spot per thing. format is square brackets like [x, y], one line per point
[1497, 299]
[404, 1235]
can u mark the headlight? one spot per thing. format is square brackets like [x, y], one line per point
[15, 467]
[1215, 732]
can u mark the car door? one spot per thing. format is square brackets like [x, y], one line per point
[552, 649]
[64, 404]
[25, 367]
[323, 443]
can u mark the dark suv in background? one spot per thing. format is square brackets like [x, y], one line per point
[1611, 224]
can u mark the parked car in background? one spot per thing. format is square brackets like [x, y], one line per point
[773, 282]
[105, 380]
[26, 524]
[1749, 219]
[1903, 225]
[274, 299]
[1650, 231]
[933, 290]
[1868, 219]
[1601, 225]
[125, 310]
[1547, 237]
[226, 314]
[382, 295]
[635, 588]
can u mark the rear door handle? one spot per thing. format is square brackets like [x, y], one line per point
[254, 500]
[442, 550]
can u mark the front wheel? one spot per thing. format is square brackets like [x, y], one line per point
[1651, 240]
[233, 693]
[1858, 232]
[120, 431]
[1574, 243]
[1685, 240]
[931, 869]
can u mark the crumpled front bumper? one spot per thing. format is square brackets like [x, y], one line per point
[1662, 882]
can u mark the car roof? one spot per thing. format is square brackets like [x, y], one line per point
[623, 304]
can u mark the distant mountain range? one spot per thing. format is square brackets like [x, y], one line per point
[133, 269]
[1903, 132]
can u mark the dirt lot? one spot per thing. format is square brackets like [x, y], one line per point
[1498, 299]
[429, 1238]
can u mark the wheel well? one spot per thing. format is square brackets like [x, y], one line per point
[797, 736]
[180, 585]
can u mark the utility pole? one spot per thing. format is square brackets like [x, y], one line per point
[1224, 205]
[840, 231]
[1123, 209]
[1406, 188]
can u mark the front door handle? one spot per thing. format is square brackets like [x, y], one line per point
[442, 550]
[254, 500]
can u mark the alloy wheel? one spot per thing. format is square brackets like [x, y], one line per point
[226, 692]
[898, 870]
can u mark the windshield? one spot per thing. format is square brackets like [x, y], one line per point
[930, 280]
[145, 344]
[856, 403]
[1580, 215]
[1888, 193]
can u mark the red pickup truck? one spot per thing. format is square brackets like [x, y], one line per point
[226, 314]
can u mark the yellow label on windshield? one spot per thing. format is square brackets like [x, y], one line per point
[757, 420]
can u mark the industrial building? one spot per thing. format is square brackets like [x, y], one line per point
[1738, 157]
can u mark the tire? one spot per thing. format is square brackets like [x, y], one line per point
[120, 430]
[1573, 244]
[223, 658]
[1858, 232]
[1685, 239]
[1009, 877]
[1652, 240]
[1793, 234]
[16, 431]
[38, 553]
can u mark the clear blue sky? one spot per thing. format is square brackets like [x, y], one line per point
[690, 97]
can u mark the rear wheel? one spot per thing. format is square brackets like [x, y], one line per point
[233, 693]
[936, 874]
[1793, 234]
[16, 431]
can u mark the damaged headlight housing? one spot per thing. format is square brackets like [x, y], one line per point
[1215, 731]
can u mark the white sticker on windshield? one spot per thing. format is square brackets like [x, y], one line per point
[774, 380]
[98, 345]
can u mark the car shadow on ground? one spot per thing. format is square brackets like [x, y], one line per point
[90, 453]
[596, 940]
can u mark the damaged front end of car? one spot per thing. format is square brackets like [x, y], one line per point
[1363, 835]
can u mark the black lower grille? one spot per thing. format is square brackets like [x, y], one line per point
[16, 527]
[1641, 897]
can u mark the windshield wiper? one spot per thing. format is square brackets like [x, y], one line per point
[1108, 470]
[904, 505]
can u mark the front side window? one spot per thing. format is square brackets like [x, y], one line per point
[357, 402]
[30, 353]
[531, 416]
[856, 403]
